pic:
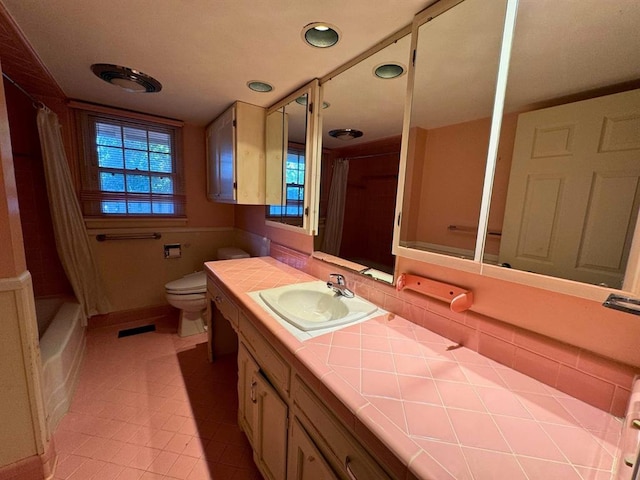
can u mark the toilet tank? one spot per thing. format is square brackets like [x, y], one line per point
[231, 253]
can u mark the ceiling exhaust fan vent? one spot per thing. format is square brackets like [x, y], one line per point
[126, 78]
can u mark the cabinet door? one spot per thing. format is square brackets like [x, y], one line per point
[221, 152]
[271, 433]
[305, 460]
[248, 370]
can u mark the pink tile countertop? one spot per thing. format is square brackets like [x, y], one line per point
[444, 414]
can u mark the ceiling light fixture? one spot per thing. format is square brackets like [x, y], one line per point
[258, 86]
[126, 78]
[389, 70]
[346, 133]
[320, 34]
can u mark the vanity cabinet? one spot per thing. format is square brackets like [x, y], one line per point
[263, 416]
[306, 462]
[292, 432]
[328, 437]
[236, 156]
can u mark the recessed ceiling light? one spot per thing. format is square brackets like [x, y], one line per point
[389, 70]
[321, 35]
[126, 78]
[346, 133]
[258, 86]
[302, 100]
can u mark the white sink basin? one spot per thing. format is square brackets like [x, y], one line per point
[312, 305]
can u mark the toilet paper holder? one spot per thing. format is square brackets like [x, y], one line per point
[172, 250]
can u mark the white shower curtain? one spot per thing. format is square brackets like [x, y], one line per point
[70, 234]
[335, 210]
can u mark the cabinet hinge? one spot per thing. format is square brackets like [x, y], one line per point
[311, 108]
[306, 212]
[235, 185]
[399, 217]
[286, 424]
[413, 59]
[235, 123]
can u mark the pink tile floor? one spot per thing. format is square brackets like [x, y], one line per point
[151, 407]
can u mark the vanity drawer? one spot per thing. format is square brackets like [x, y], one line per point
[222, 302]
[341, 449]
[270, 361]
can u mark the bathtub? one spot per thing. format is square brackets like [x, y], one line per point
[62, 343]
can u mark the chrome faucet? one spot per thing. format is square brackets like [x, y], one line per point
[339, 286]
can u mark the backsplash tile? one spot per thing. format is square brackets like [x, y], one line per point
[596, 380]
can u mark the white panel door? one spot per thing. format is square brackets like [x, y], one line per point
[574, 190]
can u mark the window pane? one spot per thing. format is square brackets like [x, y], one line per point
[135, 138]
[161, 162]
[139, 208]
[110, 157]
[161, 184]
[111, 182]
[159, 142]
[138, 184]
[114, 207]
[275, 210]
[136, 160]
[294, 193]
[109, 135]
[163, 208]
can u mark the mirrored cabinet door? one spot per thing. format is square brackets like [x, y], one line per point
[291, 165]
[363, 108]
[457, 54]
[567, 186]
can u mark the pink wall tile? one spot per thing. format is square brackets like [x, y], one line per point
[496, 349]
[545, 346]
[604, 368]
[591, 389]
[536, 366]
[620, 401]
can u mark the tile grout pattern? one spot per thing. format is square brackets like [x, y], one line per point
[448, 414]
[151, 407]
[601, 382]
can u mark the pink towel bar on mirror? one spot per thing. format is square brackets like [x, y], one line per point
[459, 298]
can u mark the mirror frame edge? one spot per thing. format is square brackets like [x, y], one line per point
[312, 158]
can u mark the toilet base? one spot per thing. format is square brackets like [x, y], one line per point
[191, 323]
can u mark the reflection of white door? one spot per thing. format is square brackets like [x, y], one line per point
[574, 190]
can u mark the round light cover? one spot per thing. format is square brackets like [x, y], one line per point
[320, 35]
[258, 86]
[346, 133]
[389, 70]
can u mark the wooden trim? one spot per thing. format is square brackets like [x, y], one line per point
[120, 112]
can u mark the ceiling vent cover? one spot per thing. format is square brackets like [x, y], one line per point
[127, 78]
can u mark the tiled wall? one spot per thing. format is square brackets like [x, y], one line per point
[594, 379]
[40, 250]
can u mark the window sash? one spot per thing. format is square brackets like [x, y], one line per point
[141, 152]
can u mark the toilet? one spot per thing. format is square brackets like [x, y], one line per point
[189, 295]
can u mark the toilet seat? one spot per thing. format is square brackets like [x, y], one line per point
[193, 283]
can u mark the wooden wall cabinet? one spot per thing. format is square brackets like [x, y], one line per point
[236, 156]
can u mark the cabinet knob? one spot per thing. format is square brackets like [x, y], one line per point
[217, 299]
[253, 391]
[311, 458]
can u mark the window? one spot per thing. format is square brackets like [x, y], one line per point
[294, 198]
[131, 168]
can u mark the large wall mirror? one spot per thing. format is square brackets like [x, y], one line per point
[453, 89]
[291, 165]
[567, 185]
[363, 108]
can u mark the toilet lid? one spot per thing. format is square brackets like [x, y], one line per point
[192, 283]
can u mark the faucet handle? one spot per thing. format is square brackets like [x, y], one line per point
[339, 278]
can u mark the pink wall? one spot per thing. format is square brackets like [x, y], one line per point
[453, 166]
[200, 211]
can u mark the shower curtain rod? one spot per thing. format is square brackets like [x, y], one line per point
[358, 157]
[36, 103]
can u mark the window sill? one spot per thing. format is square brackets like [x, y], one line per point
[124, 223]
